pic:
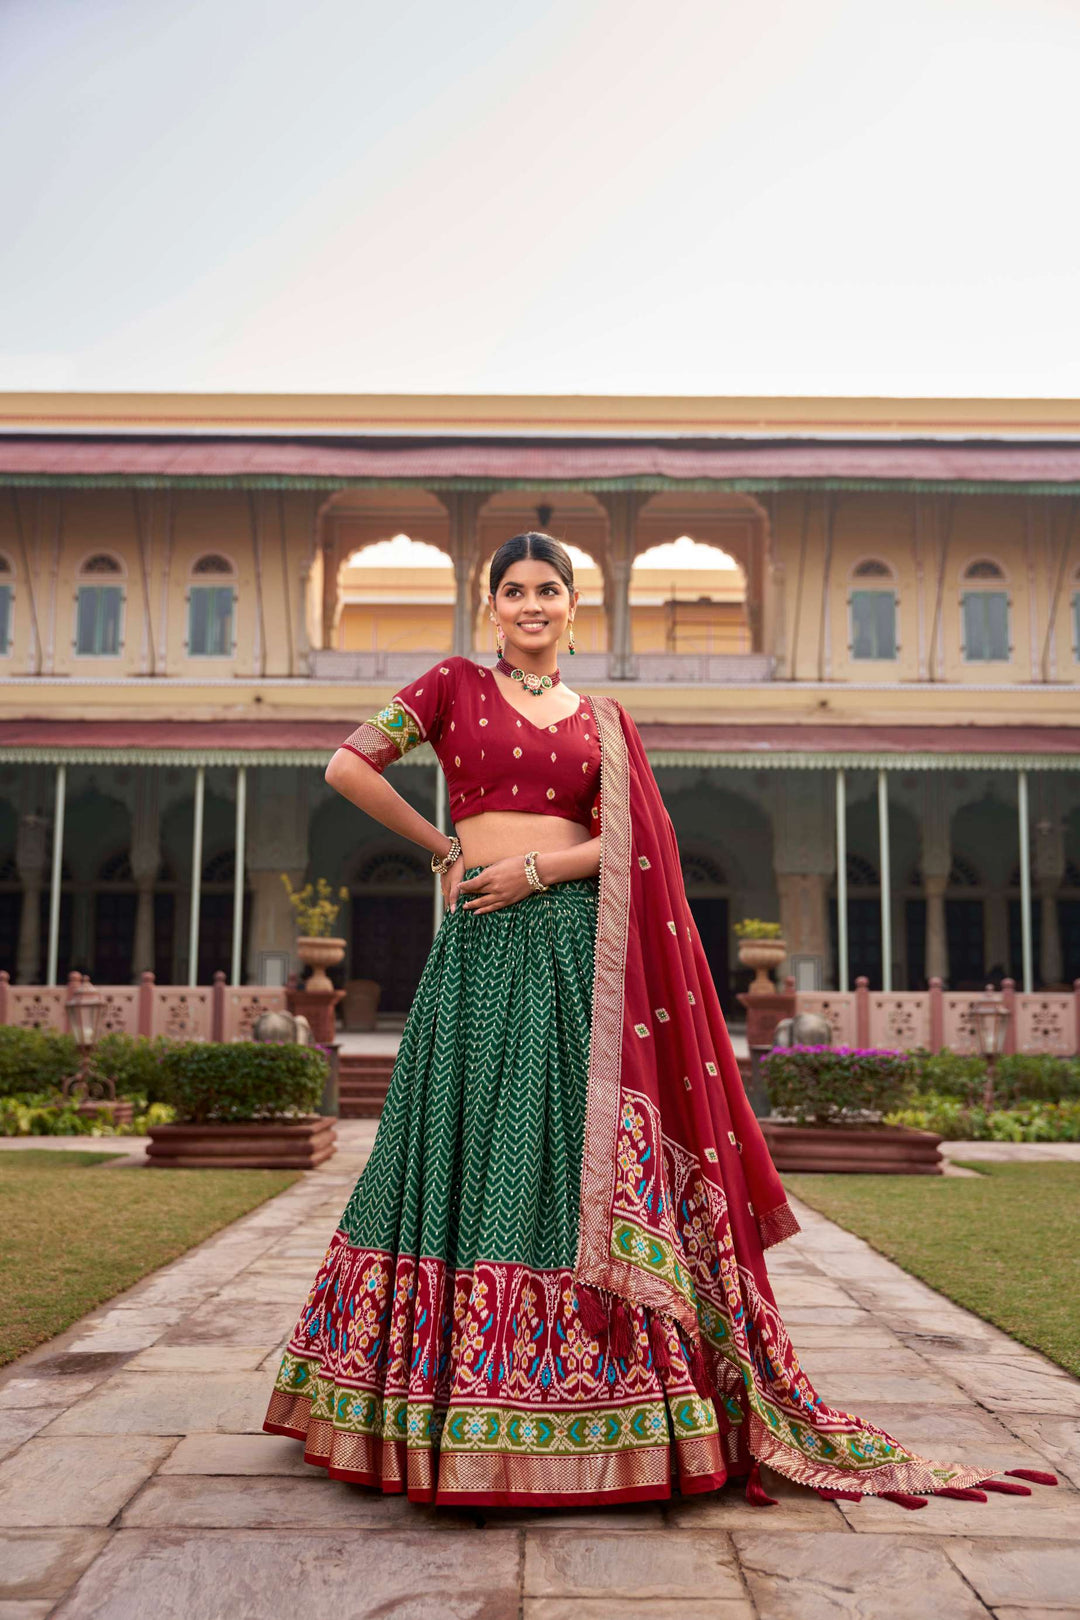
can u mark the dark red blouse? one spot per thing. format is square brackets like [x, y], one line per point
[493, 758]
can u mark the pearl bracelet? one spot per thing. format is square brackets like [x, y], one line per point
[532, 874]
[440, 868]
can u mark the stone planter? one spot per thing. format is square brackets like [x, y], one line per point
[878, 1150]
[319, 954]
[762, 955]
[258, 1144]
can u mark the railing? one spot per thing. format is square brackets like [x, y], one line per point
[217, 1012]
[1044, 1021]
[708, 669]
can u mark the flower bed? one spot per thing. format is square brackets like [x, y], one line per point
[958, 1121]
[837, 1085]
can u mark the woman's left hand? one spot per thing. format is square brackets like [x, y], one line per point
[498, 885]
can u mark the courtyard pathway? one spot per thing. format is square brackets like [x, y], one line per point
[136, 1482]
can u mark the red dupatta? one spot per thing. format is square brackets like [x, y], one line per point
[679, 1196]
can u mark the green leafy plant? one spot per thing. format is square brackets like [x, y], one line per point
[755, 928]
[961, 1121]
[1018, 1078]
[315, 911]
[242, 1080]
[837, 1085]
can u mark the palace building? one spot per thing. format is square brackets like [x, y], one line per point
[848, 630]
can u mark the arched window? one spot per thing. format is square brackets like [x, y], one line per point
[99, 604]
[7, 594]
[212, 608]
[984, 612]
[872, 606]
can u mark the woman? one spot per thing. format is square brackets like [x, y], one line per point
[548, 1286]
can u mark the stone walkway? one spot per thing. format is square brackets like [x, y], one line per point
[135, 1480]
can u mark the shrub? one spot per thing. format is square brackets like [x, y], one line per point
[826, 1085]
[241, 1080]
[960, 1121]
[1021, 1077]
[45, 1114]
[34, 1060]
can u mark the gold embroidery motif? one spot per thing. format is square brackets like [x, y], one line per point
[691, 998]
[517, 753]
[671, 925]
[644, 862]
[641, 1029]
[711, 1155]
[710, 1067]
[662, 1014]
[551, 793]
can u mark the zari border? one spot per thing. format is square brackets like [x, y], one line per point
[777, 1225]
[594, 1264]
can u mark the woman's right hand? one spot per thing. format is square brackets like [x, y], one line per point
[451, 881]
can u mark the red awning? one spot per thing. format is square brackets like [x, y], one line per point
[179, 458]
[308, 736]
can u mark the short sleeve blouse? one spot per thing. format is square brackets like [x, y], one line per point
[493, 757]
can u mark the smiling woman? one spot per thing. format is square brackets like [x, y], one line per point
[548, 1286]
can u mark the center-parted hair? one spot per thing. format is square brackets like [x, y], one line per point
[534, 546]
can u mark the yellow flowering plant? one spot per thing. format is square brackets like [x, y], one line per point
[316, 911]
[755, 928]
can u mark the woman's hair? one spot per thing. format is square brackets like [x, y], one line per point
[543, 547]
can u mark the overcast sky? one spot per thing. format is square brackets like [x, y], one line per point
[582, 196]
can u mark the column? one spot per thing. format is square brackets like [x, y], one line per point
[843, 971]
[196, 875]
[463, 507]
[30, 846]
[277, 842]
[886, 881]
[936, 863]
[1049, 863]
[145, 864]
[622, 509]
[238, 874]
[1023, 829]
[804, 859]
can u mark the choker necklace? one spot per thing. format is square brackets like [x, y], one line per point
[536, 684]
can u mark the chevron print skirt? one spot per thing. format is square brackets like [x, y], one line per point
[440, 1352]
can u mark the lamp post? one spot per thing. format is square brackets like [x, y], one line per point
[991, 1015]
[84, 1012]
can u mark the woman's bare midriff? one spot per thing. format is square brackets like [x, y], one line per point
[498, 834]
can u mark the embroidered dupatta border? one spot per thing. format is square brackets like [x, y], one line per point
[596, 1266]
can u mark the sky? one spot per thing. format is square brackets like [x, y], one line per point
[541, 196]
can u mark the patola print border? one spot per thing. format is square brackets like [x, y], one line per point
[596, 1266]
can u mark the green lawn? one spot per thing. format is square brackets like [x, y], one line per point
[74, 1233]
[1004, 1245]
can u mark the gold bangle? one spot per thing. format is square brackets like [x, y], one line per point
[440, 868]
[533, 875]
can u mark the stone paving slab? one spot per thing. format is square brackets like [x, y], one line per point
[136, 1458]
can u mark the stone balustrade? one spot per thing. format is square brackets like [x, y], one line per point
[1045, 1021]
[215, 1012]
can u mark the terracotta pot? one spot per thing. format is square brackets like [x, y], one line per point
[878, 1150]
[319, 953]
[761, 955]
[258, 1144]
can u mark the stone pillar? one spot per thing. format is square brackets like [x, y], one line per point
[622, 509]
[277, 842]
[804, 861]
[463, 507]
[30, 863]
[936, 862]
[937, 940]
[1049, 864]
[145, 862]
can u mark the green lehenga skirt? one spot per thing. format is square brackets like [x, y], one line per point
[441, 1351]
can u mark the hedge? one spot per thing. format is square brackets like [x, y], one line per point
[831, 1085]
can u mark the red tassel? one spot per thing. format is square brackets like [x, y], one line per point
[592, 1311]
[961, 1493]
[658, 1340]
[699, 1373]
[622, 1336]
[903, 1499]
[1005, 1487]
[839, 1496]
[1036, 1475]
[756, 1494]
